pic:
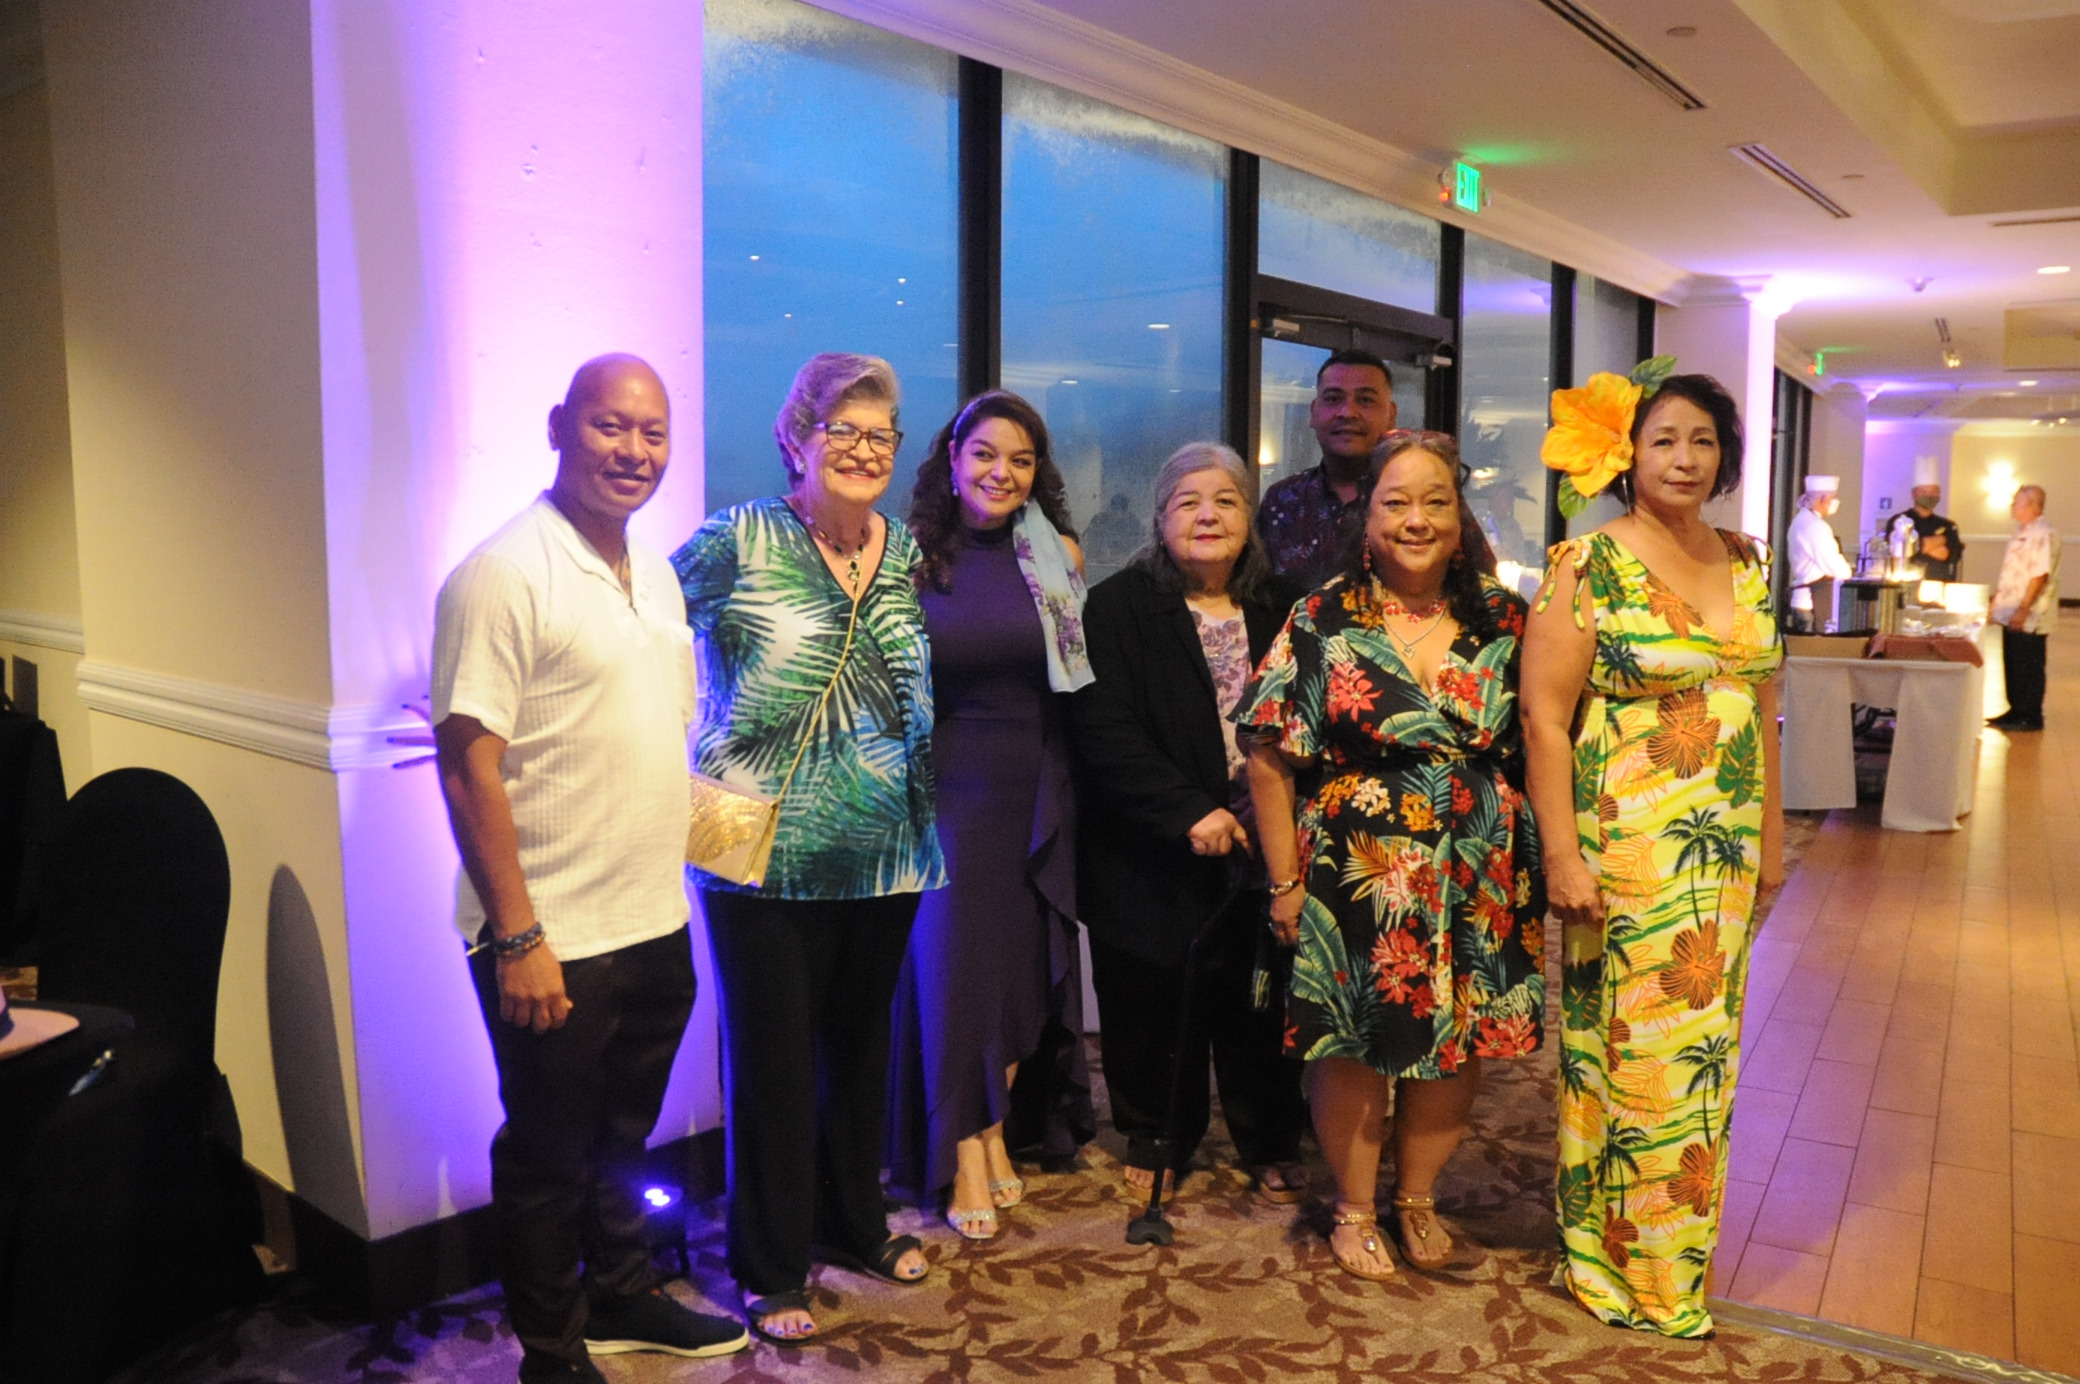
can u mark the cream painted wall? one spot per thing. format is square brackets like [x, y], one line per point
[181, 159]
[39, 559]
[181, 135]
[2027, 455]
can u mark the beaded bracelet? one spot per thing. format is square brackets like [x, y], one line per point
[519, 944]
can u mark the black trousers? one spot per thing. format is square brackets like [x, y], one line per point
[580, 1103]
[806, 989]
[2023, 658]
[1137, 1014]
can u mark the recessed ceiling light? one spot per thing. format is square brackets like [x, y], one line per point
[1159, 326]
[2056, 269]
[2026, 383]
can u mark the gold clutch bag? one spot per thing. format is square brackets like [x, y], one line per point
[729, 832]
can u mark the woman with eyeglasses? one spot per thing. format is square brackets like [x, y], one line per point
[808, 958]
[989, 1010]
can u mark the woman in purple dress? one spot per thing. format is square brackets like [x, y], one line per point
[989, 1008]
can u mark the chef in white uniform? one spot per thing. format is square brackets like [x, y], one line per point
[1815, 552]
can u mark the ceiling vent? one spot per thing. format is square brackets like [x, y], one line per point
[1758, 156]
[1613, 43]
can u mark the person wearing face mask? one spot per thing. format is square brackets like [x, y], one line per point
[813, 656]
[1650, 714]
[988, 1013]
[1405, 876]
[1174, 637]
[1308, 521]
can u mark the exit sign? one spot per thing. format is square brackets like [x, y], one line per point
[1466, 187]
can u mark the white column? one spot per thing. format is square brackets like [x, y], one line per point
[1728, 329]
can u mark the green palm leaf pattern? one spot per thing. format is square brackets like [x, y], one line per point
[770, 622]
[1669, 1069]
[1419, 843]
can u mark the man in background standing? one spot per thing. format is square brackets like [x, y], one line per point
[2025, 604]
[1307, 520]
[1816, 554]
[1936, 544]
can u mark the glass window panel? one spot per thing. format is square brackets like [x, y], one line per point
[1606, 337]
[1286, 444]
[1506, 354]
[1317, 232]
[812, 245]
[1114, 230]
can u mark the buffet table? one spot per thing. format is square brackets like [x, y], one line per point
[1935, 754]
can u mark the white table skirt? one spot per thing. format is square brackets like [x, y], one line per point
[1935, 749]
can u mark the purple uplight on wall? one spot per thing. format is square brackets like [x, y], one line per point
[504, 188]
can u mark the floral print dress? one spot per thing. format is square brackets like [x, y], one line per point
[1668, 807]
[1421, 940]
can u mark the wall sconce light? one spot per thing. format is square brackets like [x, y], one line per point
[2001, 485]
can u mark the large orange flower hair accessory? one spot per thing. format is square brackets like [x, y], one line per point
[1590, 442]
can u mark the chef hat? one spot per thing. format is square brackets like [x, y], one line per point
[1823, 485]
[1925, 472]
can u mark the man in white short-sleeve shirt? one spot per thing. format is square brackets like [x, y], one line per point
[562, 694]
[2025, 606]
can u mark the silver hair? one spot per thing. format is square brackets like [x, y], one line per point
[1190, 460]
[1251, 570]
[825, 383]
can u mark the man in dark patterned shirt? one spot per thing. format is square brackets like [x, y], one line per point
[1306, 520]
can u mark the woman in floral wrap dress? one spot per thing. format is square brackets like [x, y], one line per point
[1651, 720]
[1409, 882]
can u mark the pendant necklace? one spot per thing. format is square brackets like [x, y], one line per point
[1390, 605]
[852, 559]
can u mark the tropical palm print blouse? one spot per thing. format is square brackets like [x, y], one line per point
[769, 620]
[1421, 935]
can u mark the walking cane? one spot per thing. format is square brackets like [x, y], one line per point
[1151, 1226]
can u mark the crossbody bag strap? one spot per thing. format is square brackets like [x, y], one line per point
[816, 716]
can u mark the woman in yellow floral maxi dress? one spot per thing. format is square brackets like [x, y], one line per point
[1655, 712]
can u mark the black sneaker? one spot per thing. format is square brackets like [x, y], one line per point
[653, 1321]
[546, 1369]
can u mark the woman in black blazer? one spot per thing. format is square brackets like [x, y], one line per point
[1174, 638]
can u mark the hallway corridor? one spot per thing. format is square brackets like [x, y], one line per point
[1906, 1148]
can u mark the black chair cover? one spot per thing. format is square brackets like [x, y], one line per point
[32, 795]
[134, 1215]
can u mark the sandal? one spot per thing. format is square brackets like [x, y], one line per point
[756, 1310]
[882, 1262]
[1292, 1185]
[1345, 1214]
[978, 1224]
[1422, 1231]
[1007, 1192]
[1139, 1190]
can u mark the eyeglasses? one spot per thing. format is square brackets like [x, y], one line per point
[844, 437]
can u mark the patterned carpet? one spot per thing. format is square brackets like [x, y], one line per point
[1247, 1293]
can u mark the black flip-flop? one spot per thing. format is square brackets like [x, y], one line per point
[882, 1263]
[756, 1310]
